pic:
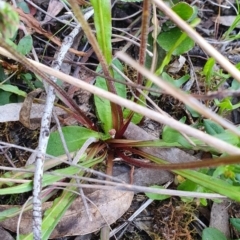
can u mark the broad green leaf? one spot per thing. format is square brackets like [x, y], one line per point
[194, 15]
[103, 25]
[171, 135]
[235, 85]
[212, 128]
[5, 97]
[23, 5]
[228, 137]
[25, 45]
[212, 234]
[103, 106]
[183, 10]
[191, 186]
[74, 136]
[177, 83]
[236, 223]
[157, 196]
[168, 39]
[12, 89]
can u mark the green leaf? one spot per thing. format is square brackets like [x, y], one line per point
[9, 20]
[25, 45]
[191, 186]
[193, 112]
[49, 179]
[235, 85]
[157, 196]
[219, 171]
[74, 136]
[177, 83]
[236, 223]
[28, 78]
[131, 0]
[183, 10]
[226, 105]
[103, 25]
[212, 128]
[8, 212]
[23, 6]
[103, 106]
[214, 184]
[136, 116]
[53, 215]
[57, 211]
[5, 97]
[212, 234]
[168, 39]
[154, 143]
[12, 89]
[208, 69]
[228, 137]
[171, 135]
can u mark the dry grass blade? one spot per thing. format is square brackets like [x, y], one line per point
[211, 141]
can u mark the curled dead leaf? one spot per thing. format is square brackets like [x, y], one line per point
[24, 115]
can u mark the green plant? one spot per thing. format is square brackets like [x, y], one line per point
[212, 233]
[108, 142]
[9, 92]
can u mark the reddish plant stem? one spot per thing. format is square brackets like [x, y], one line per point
[143, 38]
[211, 162]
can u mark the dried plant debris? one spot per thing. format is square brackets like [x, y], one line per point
[172, 220]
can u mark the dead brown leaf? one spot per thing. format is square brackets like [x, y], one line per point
[54, 7]
[225, 20]
[109, 206]
[10, 112]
